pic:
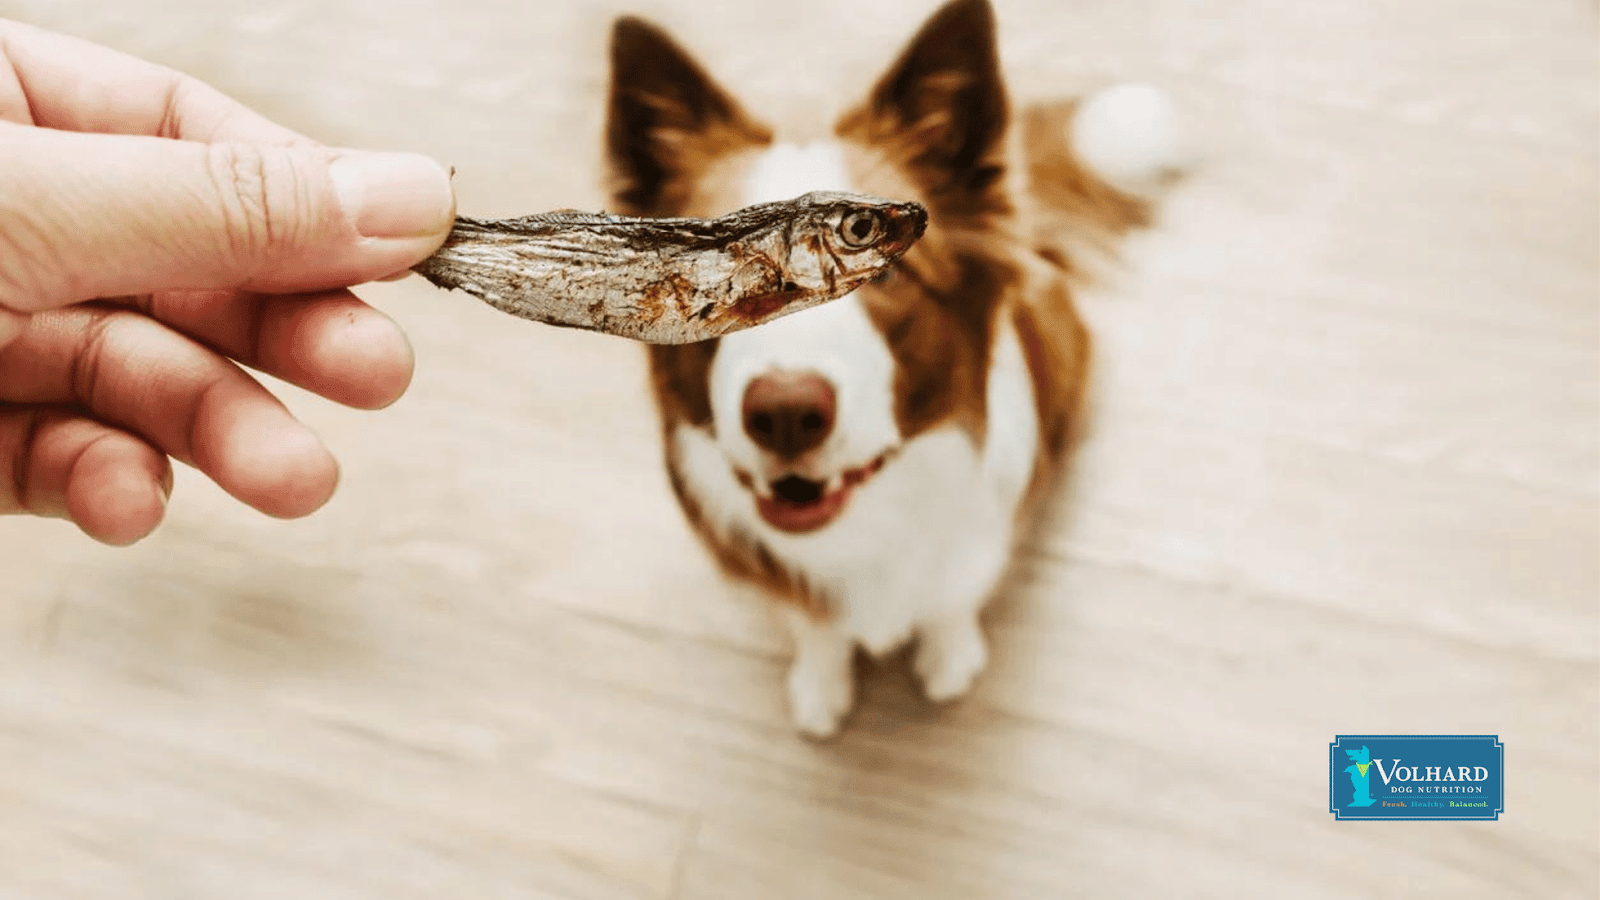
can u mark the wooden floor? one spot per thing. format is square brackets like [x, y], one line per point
[1344, 477]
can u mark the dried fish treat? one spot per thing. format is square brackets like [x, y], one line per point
[676, 280]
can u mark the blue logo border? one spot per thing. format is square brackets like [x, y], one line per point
[1499, 801]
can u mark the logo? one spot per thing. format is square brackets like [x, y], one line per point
[1426, 778]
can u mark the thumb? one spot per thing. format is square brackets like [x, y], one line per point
[87, 216]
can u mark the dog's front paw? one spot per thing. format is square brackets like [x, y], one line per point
[819, 697]
[949, 657]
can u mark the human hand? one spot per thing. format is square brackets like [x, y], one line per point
[156, 238]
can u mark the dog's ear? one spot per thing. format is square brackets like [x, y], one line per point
[666, 118]
[943, 101]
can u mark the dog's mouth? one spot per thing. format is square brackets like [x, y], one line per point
[797, 504]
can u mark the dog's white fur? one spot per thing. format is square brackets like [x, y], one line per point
[922, 545]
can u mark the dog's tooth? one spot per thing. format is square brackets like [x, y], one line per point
[835, 483]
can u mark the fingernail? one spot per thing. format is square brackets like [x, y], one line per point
[393, 195]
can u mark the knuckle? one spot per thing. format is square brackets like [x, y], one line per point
[94, 355]
[258, 191]
[172, 106]
[238, 173]
[23, 429]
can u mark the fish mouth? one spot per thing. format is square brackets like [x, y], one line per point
[905, 226]
[910, 220]
[797, 504]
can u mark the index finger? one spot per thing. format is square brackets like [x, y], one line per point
[58, 81]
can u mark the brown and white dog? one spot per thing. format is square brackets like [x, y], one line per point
[870, 463]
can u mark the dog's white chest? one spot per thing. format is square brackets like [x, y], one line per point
[936, 531]
[913, 544]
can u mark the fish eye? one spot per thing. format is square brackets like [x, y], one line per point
[860, 228]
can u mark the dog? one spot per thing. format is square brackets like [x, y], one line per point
[871, 464]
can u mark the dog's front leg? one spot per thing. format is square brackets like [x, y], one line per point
[950, 653]
[951, 649]
[822, 675]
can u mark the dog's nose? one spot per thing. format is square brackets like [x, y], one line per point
[789, 413]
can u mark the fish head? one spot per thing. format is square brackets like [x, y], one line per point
[846, 240]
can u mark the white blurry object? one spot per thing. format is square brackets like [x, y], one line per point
[1130, 135]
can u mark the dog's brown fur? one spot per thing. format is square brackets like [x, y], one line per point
[937, 127]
